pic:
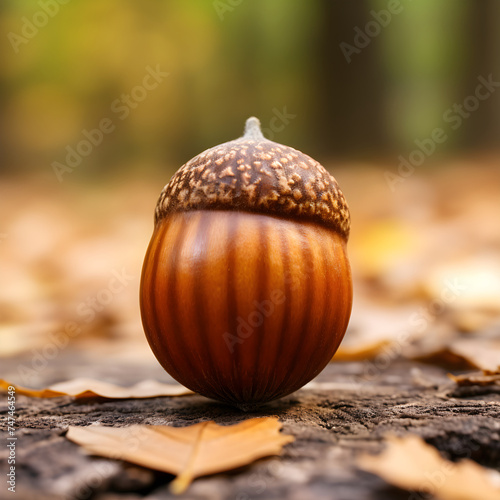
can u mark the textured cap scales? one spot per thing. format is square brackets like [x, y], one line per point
[254, 174]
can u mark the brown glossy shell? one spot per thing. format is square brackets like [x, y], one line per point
[253, 174]
[244, 308]
[246, 288]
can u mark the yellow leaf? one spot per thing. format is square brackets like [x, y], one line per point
[381, 244]
[87, 388]
[188, 452]
[410, 463]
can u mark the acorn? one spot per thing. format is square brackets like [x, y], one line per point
[246, 287]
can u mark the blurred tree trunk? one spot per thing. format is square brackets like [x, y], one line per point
[483, 128]
[397, 87]
[348, 104]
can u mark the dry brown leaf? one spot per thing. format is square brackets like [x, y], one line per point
[442, 356]
[361, 352]
[376, 330]
[88, 388]
[473, 320]
[188, 452]
[476, 378]
[483, 354]
[410, 463]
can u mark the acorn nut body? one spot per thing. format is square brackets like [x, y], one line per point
[246, 288]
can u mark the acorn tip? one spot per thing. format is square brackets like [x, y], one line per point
[252, 129]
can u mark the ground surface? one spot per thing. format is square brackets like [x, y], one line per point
[335, 419]
[426, 272]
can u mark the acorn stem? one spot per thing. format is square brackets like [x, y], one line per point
[252, 129]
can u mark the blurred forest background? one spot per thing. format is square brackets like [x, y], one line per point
[164, 80]
[229, 59]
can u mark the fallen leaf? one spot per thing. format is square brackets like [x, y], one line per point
[442, 356]
[361, 351]
[375, 331]
[476, 352]
[383, 244]
[474, 282]
[473, 320]
[410, 463]
[88, 388]
[485, 354]
[476, 378]
[17, 339]
[188, 452]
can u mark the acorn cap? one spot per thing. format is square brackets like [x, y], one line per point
[253, 174]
